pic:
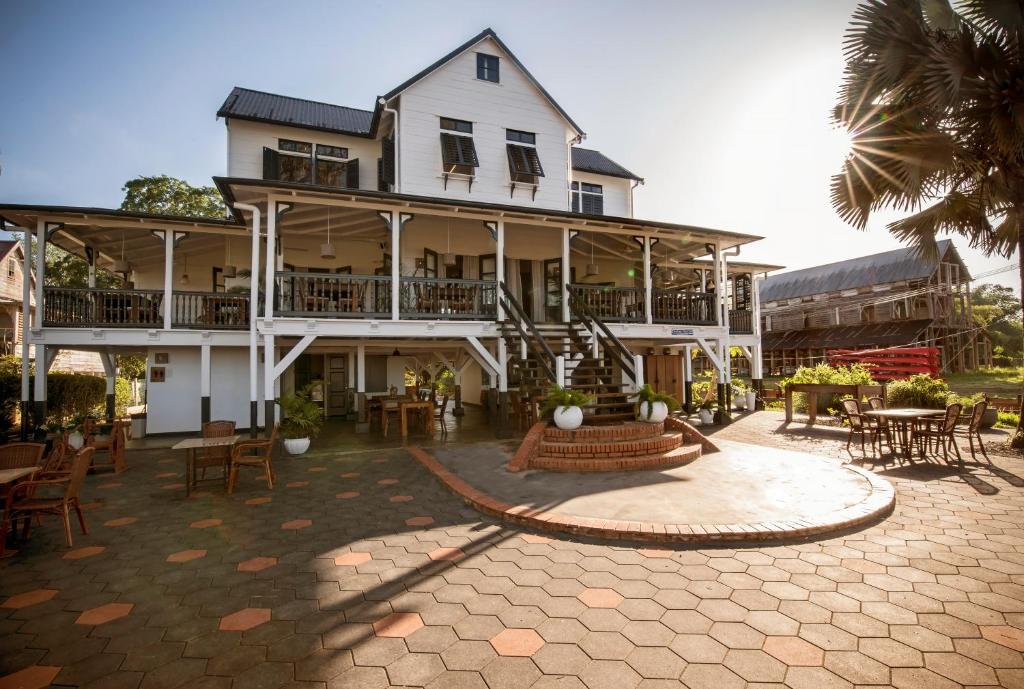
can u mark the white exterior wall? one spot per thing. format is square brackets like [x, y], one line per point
[616, 192]
[454, 91]
[246, 141]
[173, 405]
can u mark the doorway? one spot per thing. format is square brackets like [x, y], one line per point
[526, 288]
[337, 402]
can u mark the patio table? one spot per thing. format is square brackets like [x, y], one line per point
[9, 476]
[902, 419]
[190, 445]
[425, 408]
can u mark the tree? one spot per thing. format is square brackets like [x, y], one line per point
[997, 309]
[932, 97]
[170, 196]
[65, 269]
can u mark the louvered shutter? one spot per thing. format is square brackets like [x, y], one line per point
[352, 174]
[387, 156]
[269, 163]
[592, 205]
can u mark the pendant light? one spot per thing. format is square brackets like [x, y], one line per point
[121, 265]
[184, 269]
[327, 250]
[230, 270]
[592, 268]
[449, 257]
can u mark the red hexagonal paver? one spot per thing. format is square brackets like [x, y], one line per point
[446, 554]
[400, 498]
[600, 598]
[296, 484]
[352, 559]
[258, 501]
[121, 521]
[24, 600]
[387, 481]
[419, 521]
[244, 619]
[296, 524]
[398, 624]
[104, 613]
[87, 551]
[206, 523]
[186, 555]
[257, 564]
[347, 495]
[517, 642]
[793, 650]
[31, 677]
[351, 474]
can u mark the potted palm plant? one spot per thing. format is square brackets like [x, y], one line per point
[303, 419]
[655, 406]
[566, 406]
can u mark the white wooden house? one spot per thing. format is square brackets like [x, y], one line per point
[459, 220]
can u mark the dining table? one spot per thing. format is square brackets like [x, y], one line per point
[190, 445]
[902, 421]
[423, 407]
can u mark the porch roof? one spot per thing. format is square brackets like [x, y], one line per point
[255, 191]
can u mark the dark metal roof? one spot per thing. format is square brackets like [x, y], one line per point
[876, 269]
[115, 212]
[589, 160]
[486, 33]
[6, 246]
[259, 106]
[866, 335]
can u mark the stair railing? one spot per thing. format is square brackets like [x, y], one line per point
[535, 342]
[606, 338]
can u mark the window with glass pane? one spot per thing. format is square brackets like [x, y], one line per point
[330, 173]
[294, 146]
[587, 198]
[487, 67]
[295, 169]
[331, 151]
[457, 125]
[520, 137]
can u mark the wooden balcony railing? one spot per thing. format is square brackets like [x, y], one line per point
[741, 322]
[84, 307]
[448, 299]
[218, 310]
[612, 304]
[682, 306]
[325, 295]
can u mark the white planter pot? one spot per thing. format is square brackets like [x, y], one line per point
[296, 446]
[751, 400]
[568, 418]
[76, 440]
[739, 401]
[707, 417]
[656, 415]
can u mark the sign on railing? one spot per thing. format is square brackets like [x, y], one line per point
[332, 296]
[448, 298]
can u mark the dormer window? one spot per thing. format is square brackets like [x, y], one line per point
[306, 163]
[587, 199]
[487, 67]
[458, 154]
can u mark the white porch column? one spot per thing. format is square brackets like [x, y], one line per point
[756, 353]
[254, 297]
[350, 365]
[40, 275]
[687, 377]
[271, 262]
[168, 277]
[396, 264]
[566, 274]
[90, 257]
[40, 384]
[361, 369]
[648, 300]
[269, 398]
[26, 314]
[204, 383]
[499, 265]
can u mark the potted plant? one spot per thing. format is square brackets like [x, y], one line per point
[751, 396]
[655, 406]
[76, 439]
[739, 397]
[706, 412]
[303, 419]
[566, 405]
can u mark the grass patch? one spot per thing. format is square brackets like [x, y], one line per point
[998, 382]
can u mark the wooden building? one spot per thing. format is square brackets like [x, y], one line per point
[895, 298]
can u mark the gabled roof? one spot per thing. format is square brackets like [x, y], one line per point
[486, 33]
[876, 269]
[589, 160]
[259, 106]
[6, 246]
[865, 335]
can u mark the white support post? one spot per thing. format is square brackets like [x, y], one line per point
[271, 263]
[293, 354]
[396, 264]
[204, 383]
[350, 366]
[168, 277]
[648, 284]
[254, 296]
[109, 361]
[26, 315]
[638, 366]
[40, 275]
[90, 253]
[269, 398]
[361, 369]
[40, 382]
[560, 370]
[499, 265]
[566, 273]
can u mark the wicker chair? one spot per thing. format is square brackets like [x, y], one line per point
[253, 453]
[58, 462]
[861, 426]
[972, 431]
[878, 404]
[215, 456]
[925, 431]
[21, 455]
[440, 416]
[23, 504]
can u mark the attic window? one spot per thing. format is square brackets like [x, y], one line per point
[487, 67]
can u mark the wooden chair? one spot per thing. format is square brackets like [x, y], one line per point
[253, 453]
[112, 446]
[861, 426]
[215, 456]
[972, 431]
[389, 409]
[440, 416]
[878, 404]
[21, 455]
[23, 503]
[925, 431]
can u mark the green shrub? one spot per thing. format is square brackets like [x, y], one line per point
[69, 395]
[303, 417]
[826, 374]
[1007, 419]
[920, 391]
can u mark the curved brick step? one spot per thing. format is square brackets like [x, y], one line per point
[630, 430]
[612, 448]
[682, 454]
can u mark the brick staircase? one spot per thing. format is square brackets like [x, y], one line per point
[625, 446]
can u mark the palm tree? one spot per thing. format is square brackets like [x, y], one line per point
[933, 99]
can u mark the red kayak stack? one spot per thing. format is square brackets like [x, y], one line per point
[892, 363]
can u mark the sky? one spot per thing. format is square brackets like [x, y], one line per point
[723, 107]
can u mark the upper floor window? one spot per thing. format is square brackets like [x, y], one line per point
[523, 162]
[301, 161]
[587, 198]
[458, 154]
[11, 269]
[487, 67]
[295, 163]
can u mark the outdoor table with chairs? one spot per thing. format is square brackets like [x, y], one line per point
[221, 449]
